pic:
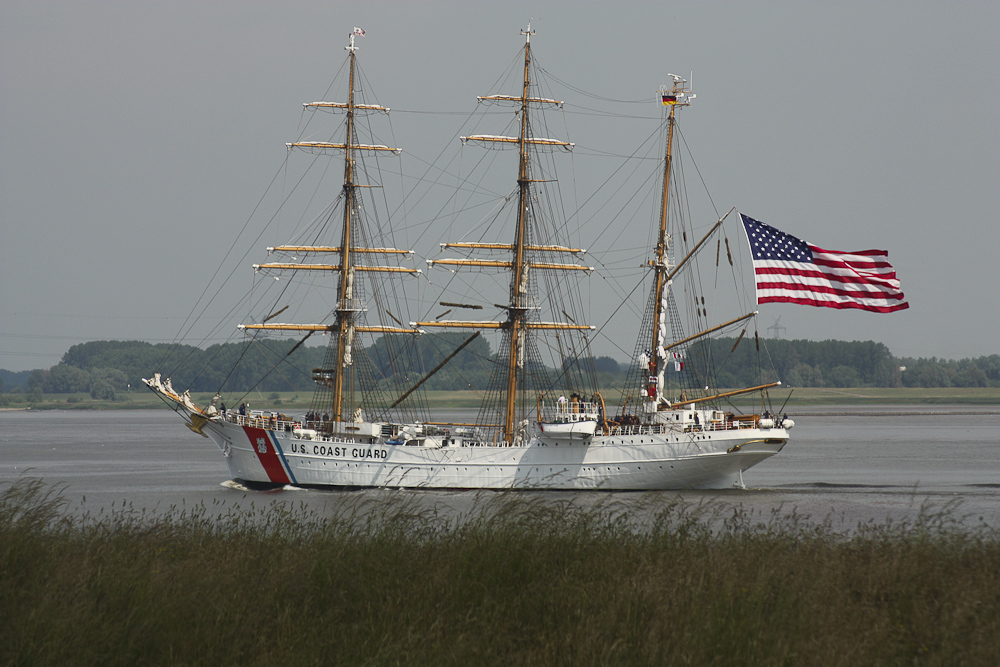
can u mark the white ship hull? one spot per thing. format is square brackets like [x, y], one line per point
[638, 460]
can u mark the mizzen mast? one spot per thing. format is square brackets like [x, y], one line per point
[674, 96]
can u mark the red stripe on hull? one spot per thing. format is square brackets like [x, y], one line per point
[266, 453]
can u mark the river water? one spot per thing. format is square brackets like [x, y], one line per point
[844, 464]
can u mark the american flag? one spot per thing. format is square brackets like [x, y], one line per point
[789, 270]
[359, 32]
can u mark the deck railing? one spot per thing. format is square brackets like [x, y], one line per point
[279, 422]
[649, 429]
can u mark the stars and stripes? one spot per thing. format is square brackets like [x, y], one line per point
[789, 270]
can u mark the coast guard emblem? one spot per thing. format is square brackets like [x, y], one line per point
[262, 445]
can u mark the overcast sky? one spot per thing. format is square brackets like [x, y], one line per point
[136, 138]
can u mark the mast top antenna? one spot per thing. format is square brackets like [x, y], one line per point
[677, 94]
[528, 32]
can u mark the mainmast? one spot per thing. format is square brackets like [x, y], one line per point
[675, 96]
[523, 253]
[518, 306]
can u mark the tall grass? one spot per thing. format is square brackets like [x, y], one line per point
[521, 579]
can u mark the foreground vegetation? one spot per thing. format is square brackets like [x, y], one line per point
[514, 581]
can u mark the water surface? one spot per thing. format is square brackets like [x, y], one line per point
[847, 464]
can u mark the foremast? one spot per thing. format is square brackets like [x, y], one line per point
[345, 312]
[335, 375]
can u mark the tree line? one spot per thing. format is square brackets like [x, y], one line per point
[834, 363]
[103, 369]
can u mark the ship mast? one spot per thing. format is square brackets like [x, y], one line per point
[675, 96]
[345, 313]
[336, 378]
[523, 252]
[519, 287]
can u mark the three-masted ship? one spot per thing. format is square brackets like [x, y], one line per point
[538, 427]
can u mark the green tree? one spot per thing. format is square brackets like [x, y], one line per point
[970, 376]
[36, 380]
[117, 379]
[64, 379]
[843, 376]
[101, 390]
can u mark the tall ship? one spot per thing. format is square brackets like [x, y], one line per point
[540, 425]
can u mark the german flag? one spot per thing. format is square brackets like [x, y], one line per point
[669, 99]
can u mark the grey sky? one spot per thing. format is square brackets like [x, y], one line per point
[136, 138]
